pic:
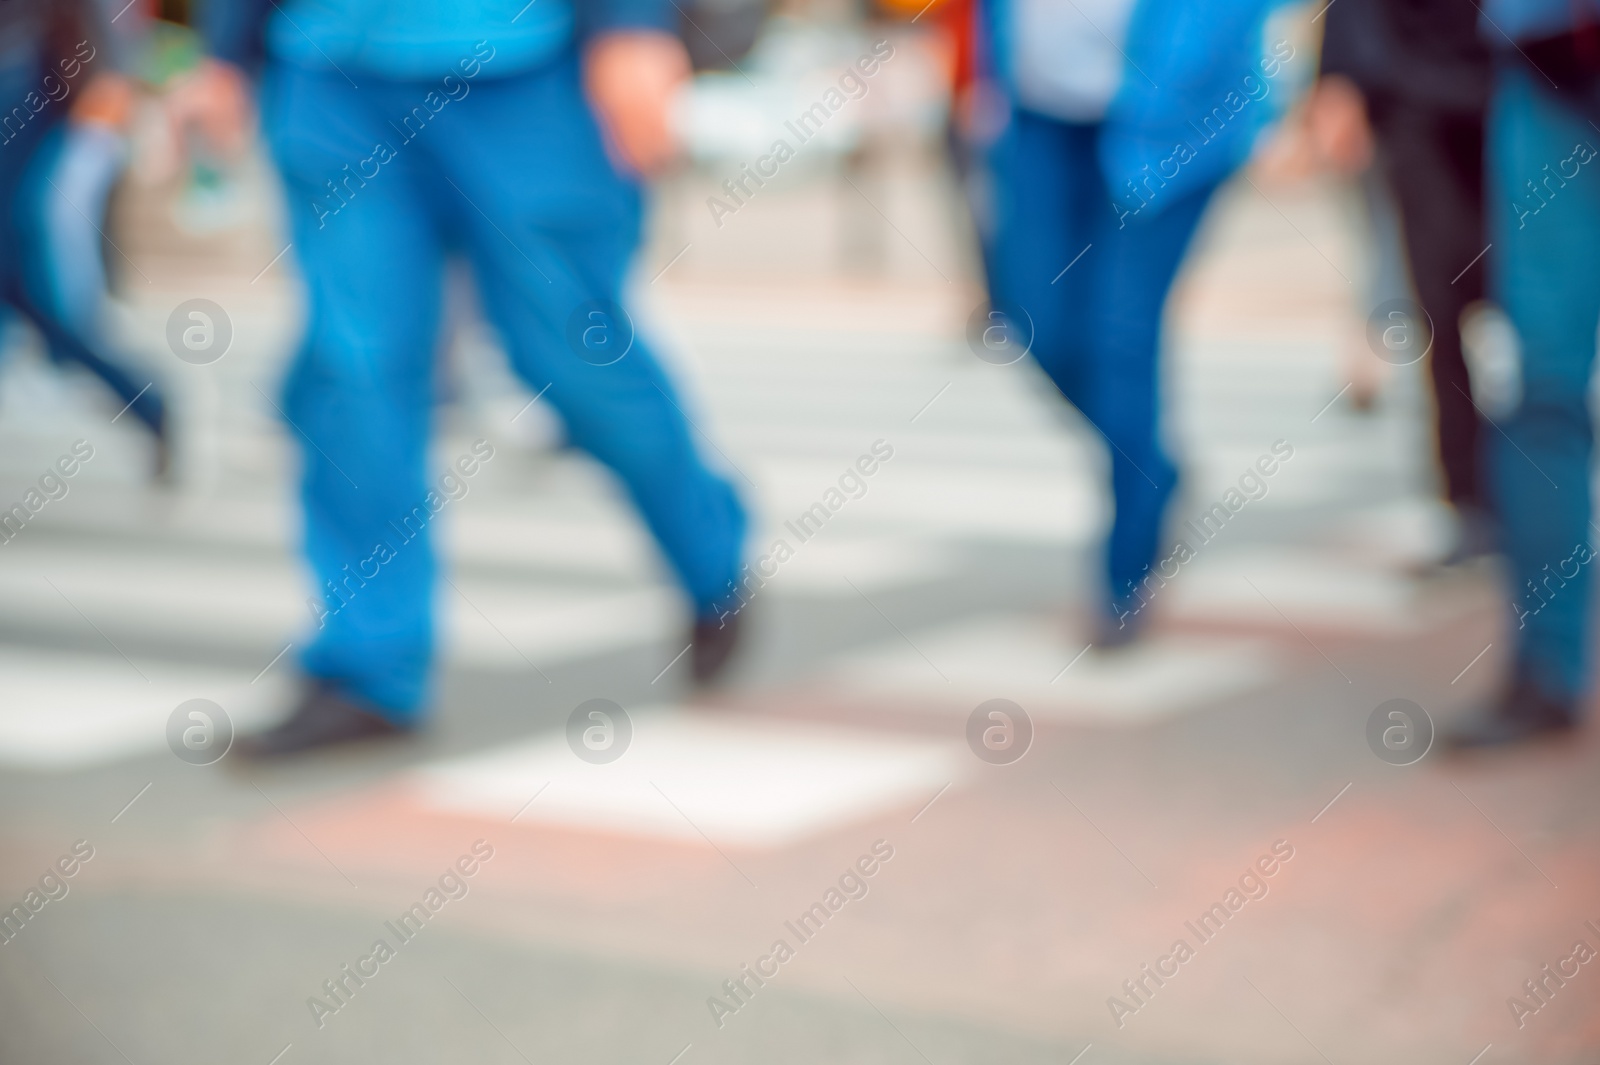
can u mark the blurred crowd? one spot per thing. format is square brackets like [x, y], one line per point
[1089, 137]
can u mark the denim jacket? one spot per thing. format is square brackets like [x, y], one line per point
[1198, 86]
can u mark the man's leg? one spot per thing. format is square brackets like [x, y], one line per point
[140, 396]
[1434, 161]
[358, 397]
[54, 250]
[1548, 280]
[1135, 269]
[1044, 179]
[73, 186]
[550, 227]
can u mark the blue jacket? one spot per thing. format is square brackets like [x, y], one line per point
[415, 39]
[1197, 88]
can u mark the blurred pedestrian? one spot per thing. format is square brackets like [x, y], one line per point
[62, 85]
[1544, 217]
[1405, 84]
[516, 132]
[1118, 120]
[1334, 139]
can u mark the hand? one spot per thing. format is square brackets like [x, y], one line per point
[630, 78]
[107, 101]
[215, 101]
[1336, 119]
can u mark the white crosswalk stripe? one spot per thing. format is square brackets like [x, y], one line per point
[742, 782]
[552, 566]
[64, 711]
[1034, 662]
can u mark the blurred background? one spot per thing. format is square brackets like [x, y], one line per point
[828, 313]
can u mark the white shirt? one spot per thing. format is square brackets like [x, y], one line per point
[1066, 55]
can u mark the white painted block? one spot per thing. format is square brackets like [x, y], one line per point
[66, 711]
[1312, 589]
[737, 781]
[1035, 662]
[825, 566]
[263, 602]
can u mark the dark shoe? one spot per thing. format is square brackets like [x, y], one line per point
[160, 426]
[711, 646]
[1524, 713]
[1477, 536]
[161, 467]
[324, 718]
[1121, 625]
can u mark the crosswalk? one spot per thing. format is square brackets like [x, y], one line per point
[993, 484]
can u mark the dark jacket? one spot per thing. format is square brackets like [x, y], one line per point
[1421, 52]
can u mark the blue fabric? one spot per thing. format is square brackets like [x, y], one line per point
[1195, 93]
[1548, 279]
[514, 175]
[78, 168]
[1205, 86]
[1097, 327]
[1526, 20]
[234, 30]
[19, 141]
[416, 39]
[26, 160]
[63, 285]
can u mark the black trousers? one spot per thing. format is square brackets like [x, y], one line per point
[1433, 160]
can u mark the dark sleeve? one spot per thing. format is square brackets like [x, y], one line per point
[605, 16]
[1355, 43]
[234, 30]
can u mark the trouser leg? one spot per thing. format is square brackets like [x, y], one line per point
[358, 398]
[1549, 282]
[551, 227]
[1135, 276]
[1434, 161]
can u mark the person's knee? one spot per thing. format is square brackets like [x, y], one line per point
[377, 350]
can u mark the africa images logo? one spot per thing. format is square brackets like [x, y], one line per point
[851, 885]
[1251, 887]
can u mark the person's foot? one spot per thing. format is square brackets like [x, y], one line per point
[1363, 397]
[711, 646]
[161, 471]
[1522, 714]
[1118, 628]
[161, 466]
[323, 718]
[1477, 536]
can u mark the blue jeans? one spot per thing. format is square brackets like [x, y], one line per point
[29, 155]
[1097, 327]
[1547, 277]
[382, 181]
